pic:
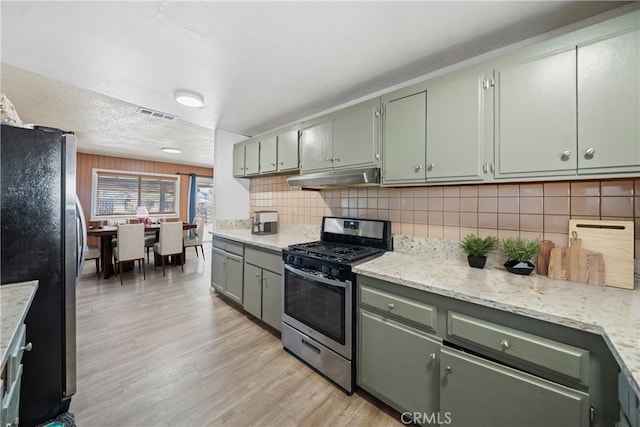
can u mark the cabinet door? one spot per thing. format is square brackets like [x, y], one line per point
[404, 141]
[355, 136]
[609, 105]
[398, 363]
[252, 158]
[288, 150]
[268, 154]
[272, 299]
[316, 147]
[252, 292]
[238, 160]
[536, 117]
[477, 392]
[218, 271]
[456, 125]
[234, 277]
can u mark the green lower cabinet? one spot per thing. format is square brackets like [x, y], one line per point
[263, 286]
[398, 364]
[252, 299]
[476, 392]
[234, 277]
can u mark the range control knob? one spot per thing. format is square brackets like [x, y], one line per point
[335, 271]
[325, 269]
[297, 261]
[290, 259]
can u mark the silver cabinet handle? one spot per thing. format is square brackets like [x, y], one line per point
[505, 344]
[491, 167]
[485, 168]
[433, 356]
[273, 164]
[448, 369]
[390, 306]
[589, 153]
[257, 274]
[430, 166]
[417, 167]
[281, 163]
[329, 159]
[15, 422]
[335, 159]
[565, 155]
[27, 347]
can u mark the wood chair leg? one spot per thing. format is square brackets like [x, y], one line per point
[98, 267]
[120, 267]
[163, 273]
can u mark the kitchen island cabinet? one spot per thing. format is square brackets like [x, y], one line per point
[15, 300]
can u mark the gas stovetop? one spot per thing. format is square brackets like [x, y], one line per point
[337, 252]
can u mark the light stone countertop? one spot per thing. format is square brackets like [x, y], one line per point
[611, 312]
[15, 300]
[274, 242]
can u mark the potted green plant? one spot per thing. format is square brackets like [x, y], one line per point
[477, 249]
[519, 253]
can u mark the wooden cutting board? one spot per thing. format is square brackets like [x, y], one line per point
[577, 264]
[614, 240]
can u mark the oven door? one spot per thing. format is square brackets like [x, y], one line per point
[319, 307]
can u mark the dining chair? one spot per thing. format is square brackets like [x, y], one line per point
[196, 241]
[169, 243]
[130, 246]
[93, 252]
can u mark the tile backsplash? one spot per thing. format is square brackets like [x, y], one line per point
[529, 210]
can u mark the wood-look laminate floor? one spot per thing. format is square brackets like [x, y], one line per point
[168, 352]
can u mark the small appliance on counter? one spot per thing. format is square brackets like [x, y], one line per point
[265, 222]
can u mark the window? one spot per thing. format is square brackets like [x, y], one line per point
[119, 193]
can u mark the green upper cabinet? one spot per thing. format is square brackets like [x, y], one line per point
[268, 154]
[252, 157]
[404, 138]
[536, 117]
[355, 136]
[316, 146]
[343, 140]
[288, 150]
[609, 105]
[441, 133]
[460, 130]
[238, 159]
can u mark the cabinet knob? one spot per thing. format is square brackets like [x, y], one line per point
[433, 356]
[257, 274]
[281, 163]
[335, 159]
[329, 159]
[565, 155]
[589, 153]
[390, 306]
[430, 167]
[27, 347]
[505, 344]
[448, 369]
[15, 422]
[273, 164]
[417, 167]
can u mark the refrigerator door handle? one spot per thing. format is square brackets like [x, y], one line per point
[82, 239]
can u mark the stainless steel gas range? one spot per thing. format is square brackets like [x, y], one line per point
[319, 294]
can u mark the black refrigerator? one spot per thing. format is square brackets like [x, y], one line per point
[42, 235]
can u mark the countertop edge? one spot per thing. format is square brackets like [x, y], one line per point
[23, 312]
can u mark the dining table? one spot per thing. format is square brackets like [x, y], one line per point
[107, 232]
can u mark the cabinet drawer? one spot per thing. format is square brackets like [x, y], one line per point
[228, 246]
[401, 307]
[541, 352]
[268, 260]
[16, 351]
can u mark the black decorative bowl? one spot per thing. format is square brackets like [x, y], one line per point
[523, 267]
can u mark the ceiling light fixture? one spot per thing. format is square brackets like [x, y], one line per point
[189, 99]
[171, 150]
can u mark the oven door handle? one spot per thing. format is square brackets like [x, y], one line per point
[332, 282]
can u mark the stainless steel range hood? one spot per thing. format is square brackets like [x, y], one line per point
[345, 178]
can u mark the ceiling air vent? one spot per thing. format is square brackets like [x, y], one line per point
[158, 114]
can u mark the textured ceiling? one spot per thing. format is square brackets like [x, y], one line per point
[259, 65]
